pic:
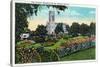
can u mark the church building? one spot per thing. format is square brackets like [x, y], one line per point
[51, 24]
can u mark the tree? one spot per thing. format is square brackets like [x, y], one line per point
[39, 34]
[23, 11]
[92, 28]
[59, 28]
[41, 30]
[74, 29]
[67, 27]
[84, 29]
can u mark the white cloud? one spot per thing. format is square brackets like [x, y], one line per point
[92, 12]
[74, 13]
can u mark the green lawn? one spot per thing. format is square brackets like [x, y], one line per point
[87, 54]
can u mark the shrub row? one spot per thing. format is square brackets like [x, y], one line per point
[68, 50]
[27, 52]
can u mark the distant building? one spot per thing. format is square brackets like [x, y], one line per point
[24, 36]
[51, 25]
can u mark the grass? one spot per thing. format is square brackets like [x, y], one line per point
[87, 54]
[57, 44]
[61, 42]
[28, 44]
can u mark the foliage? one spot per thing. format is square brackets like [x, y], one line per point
[87, 54]
[59, 28]
[48, 55]
[66, 36]
[67, 27]
[47, 51]
[92, 28]
[23, 11]
[74, 29]
[39, 39]
[25, 53]
[57, 44]
[41, 30]
[84, 29]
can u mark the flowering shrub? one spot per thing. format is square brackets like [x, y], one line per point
[75, 44]
[28, 52]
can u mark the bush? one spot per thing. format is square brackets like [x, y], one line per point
[25, 53]
[48, 55]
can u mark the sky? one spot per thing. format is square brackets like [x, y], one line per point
[68, 16]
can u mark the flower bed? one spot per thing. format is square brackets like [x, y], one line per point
[75, 44]
[28, 52]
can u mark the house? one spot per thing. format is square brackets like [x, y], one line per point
[24, 36]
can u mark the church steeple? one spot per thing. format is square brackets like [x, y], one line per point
[51, 16]
[51, 25]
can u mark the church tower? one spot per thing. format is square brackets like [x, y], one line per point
[51, 25]
[51, 16]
